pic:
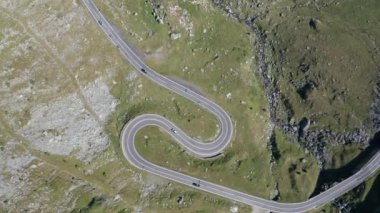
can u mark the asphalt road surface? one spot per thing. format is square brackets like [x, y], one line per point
[199, 148]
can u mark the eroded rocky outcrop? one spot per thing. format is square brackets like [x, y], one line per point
[281, 112]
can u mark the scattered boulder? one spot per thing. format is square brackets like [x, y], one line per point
[305, 90]
[158, 12]
[275, 194]
[180, 200]
[174, 36]
[304, 124]
[234, 209]
[313, 23]
[304, 67]
[229, 95]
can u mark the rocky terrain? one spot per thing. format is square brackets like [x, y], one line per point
[282, 111]
[52, 104]
[276, 58]
[302, 77]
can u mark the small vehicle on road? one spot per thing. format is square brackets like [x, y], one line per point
[143, 70]
[173, 130]
[196, 184]
[100, 22]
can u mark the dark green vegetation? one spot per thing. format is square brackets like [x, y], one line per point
[296, 173]
[364, 196]
[323, 58]
[370, 200]
[326, 61]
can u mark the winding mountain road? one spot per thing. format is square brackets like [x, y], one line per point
[199, 148]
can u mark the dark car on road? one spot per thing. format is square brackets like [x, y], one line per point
[143, 70]
[196, 184]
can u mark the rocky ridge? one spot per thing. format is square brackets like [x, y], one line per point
[313, 140]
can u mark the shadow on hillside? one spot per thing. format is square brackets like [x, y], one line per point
[371, 202]
[330, 176]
